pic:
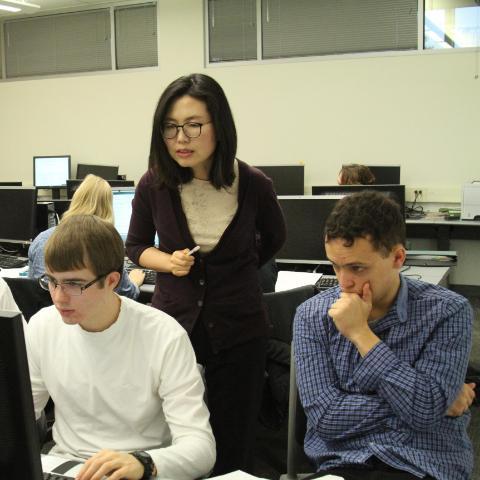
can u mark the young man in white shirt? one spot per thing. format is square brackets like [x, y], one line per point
[123, 376]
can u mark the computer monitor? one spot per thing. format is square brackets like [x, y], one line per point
[305, 217]
[108, 172]
[72, 185]
[287, 179]
[396, 192]
[19, 442]
[122, 210]
[386, 174]
[10, 184]
[18, 214]
[51, 172]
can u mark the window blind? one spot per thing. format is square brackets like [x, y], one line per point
[232, 30]
[136, 36]
[64, 43]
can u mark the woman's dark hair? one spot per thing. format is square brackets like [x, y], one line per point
[356, 174]
[206, 89]
[367, 214]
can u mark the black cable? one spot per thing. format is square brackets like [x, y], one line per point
[414, 210]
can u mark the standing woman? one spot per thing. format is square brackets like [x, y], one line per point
[197, 193]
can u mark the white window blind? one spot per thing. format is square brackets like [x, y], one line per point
[64, 43]
[313, 27]
[232, 30]
[136, 36]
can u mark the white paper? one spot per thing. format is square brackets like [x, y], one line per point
[287, 280]
[237, 475]
[50, 462]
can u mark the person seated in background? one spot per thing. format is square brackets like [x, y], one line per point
[123, 376]
[355, 174]
[7, 302]
[381, 359]
[92, 197]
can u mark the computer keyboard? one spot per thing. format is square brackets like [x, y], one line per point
[12, 261]
[325, 282]
[150, 275]
[55, 476]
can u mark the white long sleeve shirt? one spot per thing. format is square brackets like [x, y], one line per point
[7, 301]
[133, 386]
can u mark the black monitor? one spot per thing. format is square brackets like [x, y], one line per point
[51, 172]
[73, 184]
[386, 174]
[287, 179]
[10, 184]
[108, 172]
[19, 442]
[305, 217]
[18, 216]
[396, 192]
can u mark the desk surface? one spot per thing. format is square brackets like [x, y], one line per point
[435, 218]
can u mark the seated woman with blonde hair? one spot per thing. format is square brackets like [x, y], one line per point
[355, 174]
[92, 197]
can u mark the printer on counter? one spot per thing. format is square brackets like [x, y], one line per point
[471, 201]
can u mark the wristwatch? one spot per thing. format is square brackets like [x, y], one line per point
[149, 468]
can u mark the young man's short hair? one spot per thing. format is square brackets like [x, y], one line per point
[85, 241]
[367, 214]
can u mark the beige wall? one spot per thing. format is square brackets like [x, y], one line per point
[420, 110]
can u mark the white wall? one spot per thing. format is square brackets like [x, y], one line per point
[420, 110]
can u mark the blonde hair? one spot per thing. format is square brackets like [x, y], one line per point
[92, 197]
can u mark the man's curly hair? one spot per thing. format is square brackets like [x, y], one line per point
[367, 214]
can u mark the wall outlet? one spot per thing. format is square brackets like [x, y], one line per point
[437, 194]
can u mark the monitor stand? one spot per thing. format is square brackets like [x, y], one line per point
[56, 193]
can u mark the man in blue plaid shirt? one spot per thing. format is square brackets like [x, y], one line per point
[381, 359]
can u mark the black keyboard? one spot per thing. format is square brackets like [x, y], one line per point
[325, 282]
[150, 275]
[12, 261]
[55, 476]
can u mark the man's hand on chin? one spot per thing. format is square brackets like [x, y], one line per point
[350, 314]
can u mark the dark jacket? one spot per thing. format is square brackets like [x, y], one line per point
[223, 285]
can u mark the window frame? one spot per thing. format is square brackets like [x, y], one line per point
[327, 57]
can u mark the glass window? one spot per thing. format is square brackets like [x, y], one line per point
[452, 24]
[309, 27]
[66, 43]
[136, 36]
[232, 30]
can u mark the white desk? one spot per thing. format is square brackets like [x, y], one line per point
[435, 226]
[435, 275]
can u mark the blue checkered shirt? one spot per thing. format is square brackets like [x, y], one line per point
[390, 404]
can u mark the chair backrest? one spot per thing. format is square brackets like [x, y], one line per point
[281, 308]
[28, 295]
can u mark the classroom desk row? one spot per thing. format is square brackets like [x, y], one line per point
[436, 227]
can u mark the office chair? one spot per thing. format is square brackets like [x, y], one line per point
[281, 309]
[297, 427]
[28, 295]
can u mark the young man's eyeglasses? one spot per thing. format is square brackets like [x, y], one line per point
[190, 129]
[73, 289]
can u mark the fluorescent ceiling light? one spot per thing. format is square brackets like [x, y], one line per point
[17, 6]
[7, 8]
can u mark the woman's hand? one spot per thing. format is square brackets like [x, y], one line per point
[181, 262]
